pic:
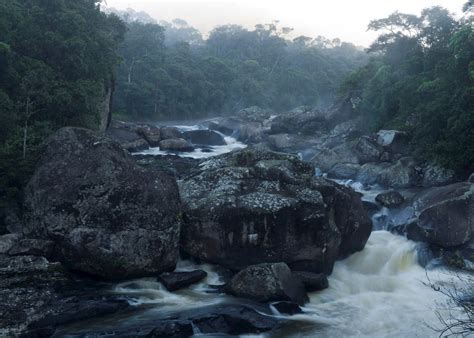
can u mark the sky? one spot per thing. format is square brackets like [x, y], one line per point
[344, 19]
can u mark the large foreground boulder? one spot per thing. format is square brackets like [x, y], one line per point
[268, 282]
[106, 216]
[254, 206]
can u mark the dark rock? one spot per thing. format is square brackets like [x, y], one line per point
[344, 171]
[107, 216]
[394, 140]
[176, 144]
[299, 121]
[402, 174]
[36, 296]
[326, 159]
[370, 207]
[177, 280]
[127, 136]
[227, 126]
[224, 319]
[151, 134]
[252, 133]
[268, 282]
[170, 132]
[176, 166]
[313, 281]
[204, 137]
[368, 150]
[33, 247]
[445, 216]
[287, 308]
[390, 199]
[254, 206]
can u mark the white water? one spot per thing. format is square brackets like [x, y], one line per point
[379, 292]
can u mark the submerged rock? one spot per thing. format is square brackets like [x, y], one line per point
[254, 206]
[177, 280]
[268, 282]
[106, 216]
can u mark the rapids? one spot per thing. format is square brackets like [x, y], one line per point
[380, 292]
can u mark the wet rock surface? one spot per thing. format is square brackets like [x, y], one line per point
[106, 216]
[254, 206]
[177, 280]
[390, 199]
[268, 282]
[313, 281]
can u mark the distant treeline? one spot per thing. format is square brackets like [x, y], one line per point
[170, 72]
[421, 80]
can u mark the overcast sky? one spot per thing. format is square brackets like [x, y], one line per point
[344, 19]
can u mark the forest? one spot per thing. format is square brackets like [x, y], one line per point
[59, 59]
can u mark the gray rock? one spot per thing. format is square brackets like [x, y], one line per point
[367, 150]
[151, 134]
[127, 136]
[445, 215]
[394, 140]
[107, 216]
[204, 137]
[254, 206]
[326, 159]
[344, 171]
[252, 133]
[177, 280]
[435, 176]
[268, 282]
[37, 296]
[299, 121]
[313, 281]
[402, 174]
[176, 144]
[390, 199]
[170, 132]
[254, 114]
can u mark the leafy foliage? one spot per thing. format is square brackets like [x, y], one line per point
[180, 75]
[420, 79]
[56, 57]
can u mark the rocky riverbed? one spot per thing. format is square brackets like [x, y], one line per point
[263, 208]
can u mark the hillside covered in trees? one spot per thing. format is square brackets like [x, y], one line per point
[169, 71]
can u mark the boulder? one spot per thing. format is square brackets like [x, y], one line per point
[344, 171]
[367, 150]
[227, 126]
[107, 216]
[176, 144]
[445, 215]
[326, 159]
[268, 282]
[299, 121]
[254, 114]
[177, 280]
[170, 132]
[313, 281]
[394, 140]
[127, 136]
[254, 206]
[287, 308]
[151, 134]
[37, 295]
[401, 174]
[390, 199]
[435, 176]
[204, 137]
[252, 133]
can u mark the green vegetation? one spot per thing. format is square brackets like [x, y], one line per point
[57, 60]
[170, 72]
[421, 79]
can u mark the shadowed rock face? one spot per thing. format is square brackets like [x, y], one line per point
[255, 206]
[268, 282]
[445, 216]
[106, 216]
